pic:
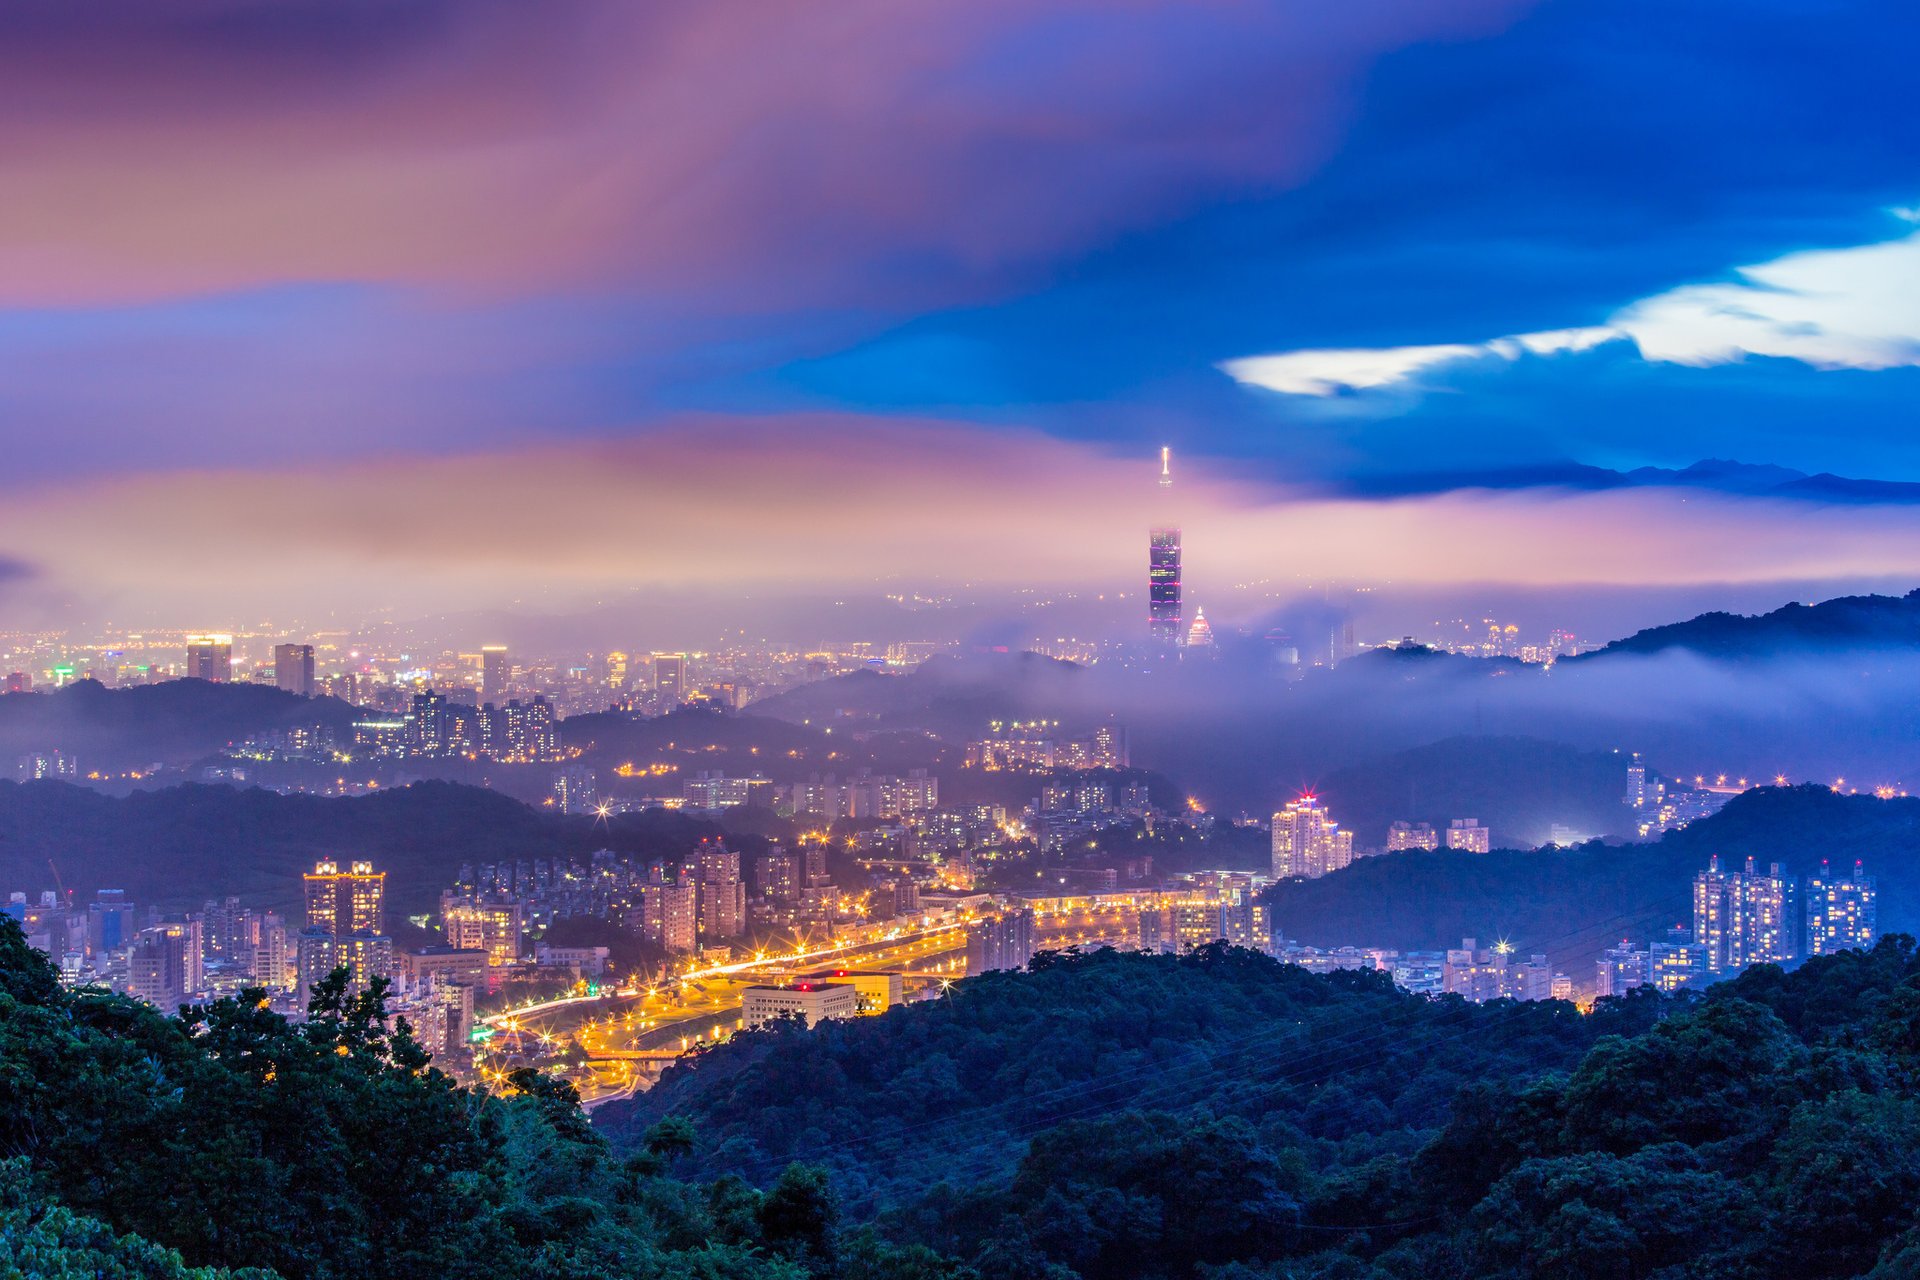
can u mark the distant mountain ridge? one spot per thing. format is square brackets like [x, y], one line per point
[1572, 904]
[1847, 622]
[1719, 475]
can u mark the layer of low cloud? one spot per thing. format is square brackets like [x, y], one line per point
[828, 503]
[1851, 308]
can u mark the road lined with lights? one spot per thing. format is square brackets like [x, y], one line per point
[644, 1029]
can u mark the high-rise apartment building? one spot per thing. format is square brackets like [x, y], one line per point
[1841, 912]
[1163, 586]
[780, 874]
[575, 789]
[157, 968]
[1308, 842]
[1763, 912]
[344, 902]
[364, 955]
[480, 924]
[722, 899]
[210, 657]
[669, 915]
[1004, 942]
[1745, 917]
[293, 668]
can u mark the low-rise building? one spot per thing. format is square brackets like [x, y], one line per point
[813, 1001]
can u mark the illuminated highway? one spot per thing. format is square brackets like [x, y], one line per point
[628, 1036]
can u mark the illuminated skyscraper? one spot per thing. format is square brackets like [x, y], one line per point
[1163, 586]
[344, 902]
[496, 672]
[293, 668]
[1308, 842]
[1200, 634]
[1841, 912]
[210, 658]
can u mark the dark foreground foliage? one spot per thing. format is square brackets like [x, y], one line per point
[137, 1145]
[1107, 1117]
[1222, 1117]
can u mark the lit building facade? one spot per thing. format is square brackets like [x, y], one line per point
[1468, 836]
[1412, 835]
[811, 1001]
[1163, 586]
[1842, 912]
[293, 668]
[1307, 842]
[1004, 942]
[210, 657]
[344, 902]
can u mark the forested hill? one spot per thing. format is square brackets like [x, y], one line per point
[1223, 1117]
[1572, 904]
[1217, 1116]
[181, 845]
[175, 722]
[1845, 623]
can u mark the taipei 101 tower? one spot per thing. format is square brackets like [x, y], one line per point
[1163, 572]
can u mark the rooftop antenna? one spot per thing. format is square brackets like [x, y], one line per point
[1166, 467]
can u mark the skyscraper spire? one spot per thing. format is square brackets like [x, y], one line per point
[1166, 467]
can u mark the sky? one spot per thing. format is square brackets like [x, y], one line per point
[396, 303]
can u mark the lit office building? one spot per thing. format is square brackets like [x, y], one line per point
[496, 670]
[210, 657]
[163, 967]
[670, 679]
[810, 1001]
[575, 789]
[1479, 974]
[293, 668]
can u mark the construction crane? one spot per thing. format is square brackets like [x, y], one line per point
[60, 884]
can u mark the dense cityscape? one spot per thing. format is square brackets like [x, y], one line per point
[1267, 641]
